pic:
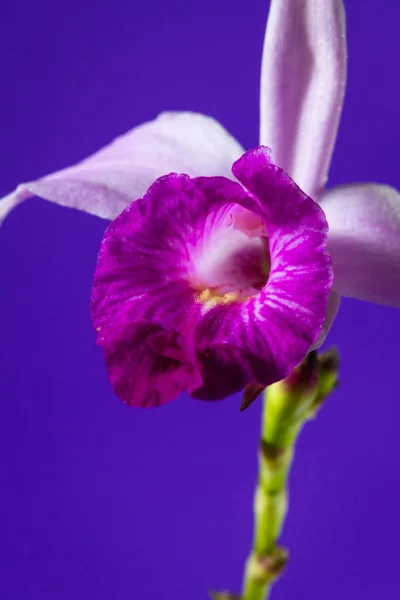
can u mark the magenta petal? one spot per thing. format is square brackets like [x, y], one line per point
[225, 371]
[229, 286]
[145, 273]
[364, 240]
[145, 267]
[273, 330]
[286, 318]
[141, 376]
[107, 181]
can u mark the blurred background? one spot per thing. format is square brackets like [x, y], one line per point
[103, 501]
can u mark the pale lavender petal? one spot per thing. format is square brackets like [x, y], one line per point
[331, 312]
[9, 202]
[302, 87]
[107, 181]
[364, 241]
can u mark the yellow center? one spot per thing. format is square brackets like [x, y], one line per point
[212, 298]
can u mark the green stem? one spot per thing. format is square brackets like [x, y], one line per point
[282, 420]
[289, 404]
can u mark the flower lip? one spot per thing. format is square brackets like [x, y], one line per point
[237, 271]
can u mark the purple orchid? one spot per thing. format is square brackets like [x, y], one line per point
[204, 285]
[207, 281]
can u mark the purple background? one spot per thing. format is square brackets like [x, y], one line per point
[106, 502]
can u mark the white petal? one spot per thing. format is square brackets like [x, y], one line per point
[107, 181]
[302, 87]
[364, 241]
[331, 312]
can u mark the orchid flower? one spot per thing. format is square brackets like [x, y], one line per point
[213, 276]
